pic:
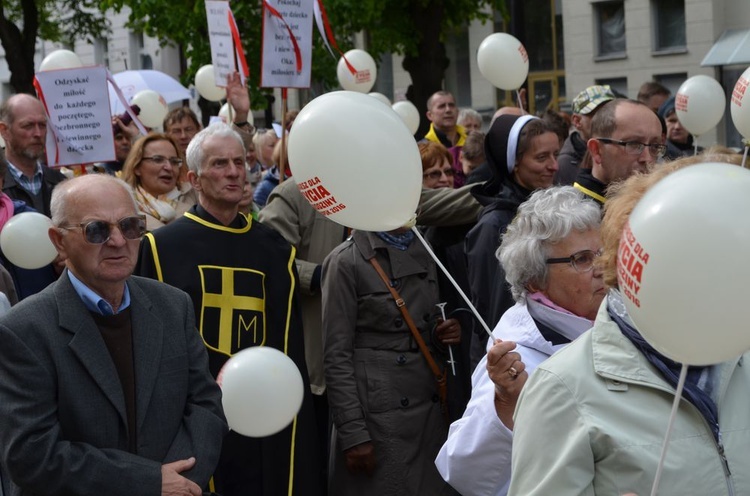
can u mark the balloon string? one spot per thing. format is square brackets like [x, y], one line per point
[519, 101]
[744, 155]
[450, 278]
[672, 416]
[695, 141]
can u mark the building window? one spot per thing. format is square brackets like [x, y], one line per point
[610, 26]
[672, 81]
[668, 24]
[619, 85]
[101, 51]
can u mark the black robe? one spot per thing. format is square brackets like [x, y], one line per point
[254, 263]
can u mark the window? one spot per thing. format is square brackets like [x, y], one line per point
[619, 85]
[101, 51]
[668, 25]
[672, 81]
[610, 26]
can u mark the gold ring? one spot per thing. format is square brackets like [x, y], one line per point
[512, 372]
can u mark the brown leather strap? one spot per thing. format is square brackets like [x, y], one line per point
[401, 304]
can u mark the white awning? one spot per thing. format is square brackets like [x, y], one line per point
[733, 47]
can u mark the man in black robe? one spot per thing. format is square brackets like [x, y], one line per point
[242, 279]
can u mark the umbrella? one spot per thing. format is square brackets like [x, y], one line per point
[131, 82]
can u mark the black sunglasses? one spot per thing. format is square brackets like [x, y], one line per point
[98, 232]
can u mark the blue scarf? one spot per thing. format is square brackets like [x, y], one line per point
[400, 241]
[670, 370]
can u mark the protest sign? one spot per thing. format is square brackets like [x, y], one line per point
[79, 126]
[287, 43]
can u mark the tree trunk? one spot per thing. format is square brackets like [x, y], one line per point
[20, 47]
[427, 67]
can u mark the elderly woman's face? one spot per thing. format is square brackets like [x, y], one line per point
[538, 165]
[579, 292]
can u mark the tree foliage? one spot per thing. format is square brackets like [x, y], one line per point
[183, 23]
[415, 28]
[23, 21]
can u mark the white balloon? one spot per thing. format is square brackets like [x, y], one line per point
[205, 83]
[503, 60]
[227, 113]
[153, 107]
[60, 59]
[356, 162]
[699, 104]
[380, 97]
[25, 241]
[408, 113]
[262, 391]
[680, 264]
[739, 107]
[364, 79]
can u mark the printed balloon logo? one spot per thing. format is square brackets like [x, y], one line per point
[631, 260]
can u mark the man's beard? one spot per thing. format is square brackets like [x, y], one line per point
[32, 153]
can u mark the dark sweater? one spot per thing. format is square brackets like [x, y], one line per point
[117, 333]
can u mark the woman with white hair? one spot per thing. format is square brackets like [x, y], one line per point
[548, 254]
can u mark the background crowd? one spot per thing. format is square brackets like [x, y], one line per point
[405, 392]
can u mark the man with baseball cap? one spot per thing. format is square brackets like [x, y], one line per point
[585, 105]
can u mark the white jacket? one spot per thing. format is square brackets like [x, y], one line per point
[476, 457]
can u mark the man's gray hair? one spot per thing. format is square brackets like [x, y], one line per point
[195, 153]
[68, 189]
[546, 218]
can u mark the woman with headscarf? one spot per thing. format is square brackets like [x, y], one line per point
[592, 418]
[547, 255]
[521, 152]
[153, 170]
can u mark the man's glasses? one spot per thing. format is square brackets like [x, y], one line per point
[636, 148]
[98, 232]
[581, 261]
[161, 160]
[435, 175]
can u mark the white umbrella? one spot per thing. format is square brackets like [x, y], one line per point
[131, 82]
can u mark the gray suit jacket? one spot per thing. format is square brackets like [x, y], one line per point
[63, 427]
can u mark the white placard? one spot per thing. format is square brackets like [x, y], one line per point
[220, 37]
[79, 126]
[279, 65]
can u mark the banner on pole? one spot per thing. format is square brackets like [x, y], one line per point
[287, 43]
[79, 126]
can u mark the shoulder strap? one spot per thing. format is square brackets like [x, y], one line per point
[401, 304]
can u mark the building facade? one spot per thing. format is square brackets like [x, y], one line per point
[571, 44]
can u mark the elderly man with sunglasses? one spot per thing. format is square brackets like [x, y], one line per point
[105, 385]
[625, 138]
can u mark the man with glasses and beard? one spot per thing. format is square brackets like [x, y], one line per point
[23, 126]
[105, 387]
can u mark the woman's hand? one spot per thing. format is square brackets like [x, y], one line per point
[508, 373]
[448, 331]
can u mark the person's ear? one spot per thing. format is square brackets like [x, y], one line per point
[56, 236]
[576, 121]
[594, 147]
[194, 182]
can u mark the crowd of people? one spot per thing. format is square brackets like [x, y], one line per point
[194, 244]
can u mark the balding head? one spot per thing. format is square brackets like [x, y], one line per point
[23, 125]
